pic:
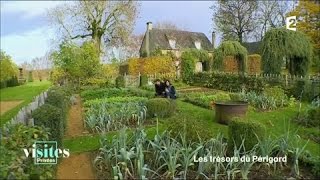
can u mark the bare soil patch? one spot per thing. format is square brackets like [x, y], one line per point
[75, 125]
[77, 166]
[7, 105]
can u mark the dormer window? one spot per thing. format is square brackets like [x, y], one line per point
[172, 43]
[197, 44]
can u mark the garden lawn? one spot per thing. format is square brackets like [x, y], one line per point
[24, 93]
[276, 122]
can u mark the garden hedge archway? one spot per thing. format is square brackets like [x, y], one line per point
[230, 48]
[280, 44]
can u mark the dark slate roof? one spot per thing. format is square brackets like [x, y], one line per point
[252, 47]
[184, 39]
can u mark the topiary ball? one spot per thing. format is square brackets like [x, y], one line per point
[239, 130]
[160, 107]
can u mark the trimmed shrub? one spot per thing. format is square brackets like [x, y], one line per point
[51, 117]
[193, 129]
[204, 100]
[13, 82]
[141, 100]
[103, 93]
[141, 92]
[143, 80]
[30, 76]
[160, 107]
[228, 82]
[59, 98]
[239, 130]
[120, 82]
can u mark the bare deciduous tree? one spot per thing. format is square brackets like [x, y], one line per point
[235, 19]
[102, 21]
[271, 14]
[169, 25]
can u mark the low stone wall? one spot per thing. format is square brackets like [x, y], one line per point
[24, 115]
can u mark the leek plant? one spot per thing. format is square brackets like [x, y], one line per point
[114, 116]
[187, 155]
[297, 151]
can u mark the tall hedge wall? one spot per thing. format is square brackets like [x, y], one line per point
[230, 64]
[151, 65]
[254, 64]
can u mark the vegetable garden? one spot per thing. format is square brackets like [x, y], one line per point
[169, 147]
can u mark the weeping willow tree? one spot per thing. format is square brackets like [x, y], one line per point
[281, 45]
[230, 48]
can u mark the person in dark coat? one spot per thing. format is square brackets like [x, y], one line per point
[159, 88]
[170, 91]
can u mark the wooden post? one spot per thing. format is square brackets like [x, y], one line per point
[286, 80]
[139, 79]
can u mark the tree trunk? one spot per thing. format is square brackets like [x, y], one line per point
[97, 41]
[240, 37]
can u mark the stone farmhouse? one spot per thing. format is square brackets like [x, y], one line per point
[174, 41]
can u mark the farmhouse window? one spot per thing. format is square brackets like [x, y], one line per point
[172, 43]
[197, 44]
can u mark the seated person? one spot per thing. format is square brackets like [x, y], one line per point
[170, 91]
[159, 88]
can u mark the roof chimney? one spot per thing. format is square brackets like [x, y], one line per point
[149, 26]
[213, 39]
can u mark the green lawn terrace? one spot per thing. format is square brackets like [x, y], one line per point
[14, 98]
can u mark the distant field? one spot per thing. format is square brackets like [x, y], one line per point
[23, 94]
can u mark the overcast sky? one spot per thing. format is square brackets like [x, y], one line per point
[25, 33]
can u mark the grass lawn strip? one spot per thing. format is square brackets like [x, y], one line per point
[25, 93]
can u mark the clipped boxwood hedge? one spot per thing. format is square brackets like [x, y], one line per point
[193, 129]
[160, 107]
[239, 130]
[103, 93]
[228, 82]
[52, 117]
[58, 98]
[141, 92]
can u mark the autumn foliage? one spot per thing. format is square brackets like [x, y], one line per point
[254, 64]
[230, 64]
[151, 65]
